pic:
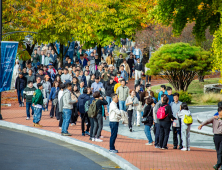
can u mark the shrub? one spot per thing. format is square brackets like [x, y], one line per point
[185, 97]
[211, 98]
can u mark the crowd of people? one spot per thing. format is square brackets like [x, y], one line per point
[86, 83]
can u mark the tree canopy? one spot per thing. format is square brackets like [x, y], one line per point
[179, 63]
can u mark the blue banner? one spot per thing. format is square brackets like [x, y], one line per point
[8, 55]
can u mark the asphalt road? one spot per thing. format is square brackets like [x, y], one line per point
[26, 151]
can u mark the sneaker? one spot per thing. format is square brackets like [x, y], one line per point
[130, 130]
[72, 124]
[175, 147]
[138, 125]
[93, 139]
[181, 147]
[164, 148]
[37, 125]
[47, 110]
[60, 127]
[101, 137]
[28, 118]
[66, 134]
[215, 167]
[184, 149]
[188, 149]
[87, 133]
[20, 105]
[90, 138]
[157, 147]
[83, 134]
[150, 144]
[50, 116]
[113, 151]
[134, 124]
[98, 140]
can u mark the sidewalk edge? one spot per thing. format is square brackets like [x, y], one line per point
[124, 164]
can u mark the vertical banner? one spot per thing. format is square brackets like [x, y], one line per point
[8, 55]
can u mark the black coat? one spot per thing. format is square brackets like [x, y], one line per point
[20, 83]
[168, 112]
[148, 111]
[109, 88]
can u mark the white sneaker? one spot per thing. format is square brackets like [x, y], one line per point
[60, 127]
[98, 140]
[93, 139]
[134, 124]
[72, 124]
[150, 144]
[188, 149]
[27, 118]
[184, 149]
[101, 137]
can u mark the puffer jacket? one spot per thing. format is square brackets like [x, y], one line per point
[81, 102]
[109, 88]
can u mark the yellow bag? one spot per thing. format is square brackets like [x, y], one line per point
[188, 119]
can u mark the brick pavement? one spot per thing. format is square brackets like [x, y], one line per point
[133, 150]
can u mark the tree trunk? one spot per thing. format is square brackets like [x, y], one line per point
[61, 54]
[201, 78]
[99, 51]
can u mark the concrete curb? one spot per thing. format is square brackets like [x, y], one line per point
[102, 151]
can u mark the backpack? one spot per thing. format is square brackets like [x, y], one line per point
[92, 112]
[87, 104]
[188, 119]
[161, 112]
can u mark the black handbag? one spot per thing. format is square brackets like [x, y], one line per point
[146, 119]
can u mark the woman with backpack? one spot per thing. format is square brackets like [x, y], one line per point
[148, 114]
[98, 119]
[184, 112]
[74, 96]
[165, 116]
[131, 101]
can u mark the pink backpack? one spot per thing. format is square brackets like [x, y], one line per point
[161, 113]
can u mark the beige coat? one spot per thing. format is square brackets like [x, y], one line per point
[127, 68]
[110, 60]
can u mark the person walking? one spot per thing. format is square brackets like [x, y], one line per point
[60, 94]
[109, 88]
[175, 106]
[217, 130]
[37, 101]
[66, 106]
[82, 99]
[52, 97]
[131, 102]
[122, 92]
[138, 70]
[184, 111]
[165, 124]
[74, 95]
[47, 90]
[98, 120]
[20, 85]
[148, 113]
[27, 95]
[114, 117]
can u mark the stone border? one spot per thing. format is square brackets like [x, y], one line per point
[102, 151]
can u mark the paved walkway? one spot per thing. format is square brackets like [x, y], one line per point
[133, 150]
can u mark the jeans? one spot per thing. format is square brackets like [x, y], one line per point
[137, 56]
[109, 100]
[157, 133]
[130, 117]
[114, 130]
[218, 145]
[60, 119]
[47, 96]
[37, 114]
[148, 134]
[148, 78]
[52, 111]
[131, 72]
[186, 136]
[66, 119]
[28, 105]
[84, 116]
[122, 105]
[92, 126]
[98, 123]
[164, 133]
[20, 94]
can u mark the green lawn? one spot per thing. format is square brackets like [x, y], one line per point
[196, 88]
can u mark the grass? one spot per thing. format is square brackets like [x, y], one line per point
[196, 88]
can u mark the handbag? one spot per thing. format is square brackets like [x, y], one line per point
[55, 101]
[139, 107]
[146, 119]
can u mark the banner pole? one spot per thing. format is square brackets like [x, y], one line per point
[0, 53]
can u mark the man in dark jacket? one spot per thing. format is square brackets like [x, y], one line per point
[109, 88]
[30, 76]
[28, 94]
[130, 62]
[82, 99]
[20, 85]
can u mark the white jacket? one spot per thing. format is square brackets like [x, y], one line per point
[114, 112]
[182, 114]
